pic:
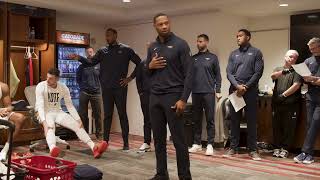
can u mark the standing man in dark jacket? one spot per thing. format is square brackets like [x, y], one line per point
[206, 87]
[89, 83]
[285, 104]
[312, 103]
[169, 62]
[114, 63]
[143, 87]
[245, 68]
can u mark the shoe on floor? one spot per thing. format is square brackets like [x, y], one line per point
[210, 151]
[284, 153]
[195, 148]
[308, 160]
[276, 153]
[229, 153]
[300, 158]
[100, 149]
[158, 177]
[255, 156]
[125, 148]
[145, 147]
[55, 152]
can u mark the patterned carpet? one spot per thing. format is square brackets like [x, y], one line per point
[132, 165]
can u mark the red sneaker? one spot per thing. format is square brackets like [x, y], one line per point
[55, 152]
[100, 149]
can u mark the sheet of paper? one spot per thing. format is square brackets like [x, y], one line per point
[237, 102]
[302, 69]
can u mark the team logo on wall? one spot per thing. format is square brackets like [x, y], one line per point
[72, 37]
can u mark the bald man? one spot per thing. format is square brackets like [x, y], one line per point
[286, 95]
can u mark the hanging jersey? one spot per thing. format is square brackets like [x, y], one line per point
[48, 99]
[29, 72]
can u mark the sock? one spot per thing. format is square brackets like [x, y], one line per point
[51, 139]
[4, 151]
[84, 137]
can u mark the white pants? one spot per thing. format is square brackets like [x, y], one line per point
[67, 121]
[63, 119]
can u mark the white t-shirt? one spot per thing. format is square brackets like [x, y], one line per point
[49, 100]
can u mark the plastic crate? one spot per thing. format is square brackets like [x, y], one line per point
[46, 168]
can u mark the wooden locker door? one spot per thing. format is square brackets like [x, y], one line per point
[18, 27]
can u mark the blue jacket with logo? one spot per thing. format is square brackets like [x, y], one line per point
[88, 78]
[176, 77]
[313, 64]
[206, 73]
[245, 66]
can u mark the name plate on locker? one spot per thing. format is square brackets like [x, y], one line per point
[66, 37]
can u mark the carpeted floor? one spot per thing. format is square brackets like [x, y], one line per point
[118, 165]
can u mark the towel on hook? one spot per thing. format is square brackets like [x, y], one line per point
[14, 80]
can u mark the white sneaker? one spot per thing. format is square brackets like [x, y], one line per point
[145, 147]
[195, 148]
[284, 153]
[209, 151]
[276, 152]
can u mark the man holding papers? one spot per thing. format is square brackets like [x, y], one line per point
[245, 68]
[312, 103]
[285, 104]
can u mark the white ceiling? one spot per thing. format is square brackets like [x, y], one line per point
[117, 12]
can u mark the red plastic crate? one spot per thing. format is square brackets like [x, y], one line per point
[46, 168]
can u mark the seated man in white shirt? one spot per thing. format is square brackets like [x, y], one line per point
[48, 105]
[7, 113]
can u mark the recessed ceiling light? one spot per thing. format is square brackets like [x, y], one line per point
[284, 5]
[126, 1]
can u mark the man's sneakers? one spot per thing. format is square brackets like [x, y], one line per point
[100, 149]
[229, 153]
[145, 148]
[284, 153]
[300, 157]
[210, 151]
[55, 152]
[280, 153]
[125, 148]
[255, 156]
[304, 158]
[158, 177]
[308, 160]
[195, 148]
[276, 153]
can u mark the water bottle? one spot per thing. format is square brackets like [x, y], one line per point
[32, 33]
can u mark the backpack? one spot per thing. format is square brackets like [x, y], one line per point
[87, 172]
